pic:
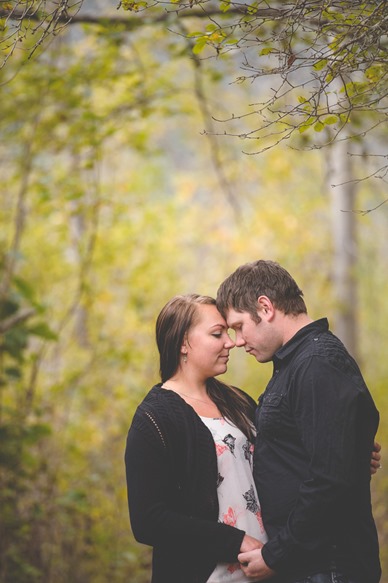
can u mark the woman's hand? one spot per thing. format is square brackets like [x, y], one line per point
[254, 566]
[249, 544]
[375, 459]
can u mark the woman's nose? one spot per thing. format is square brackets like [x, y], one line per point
[229, 343]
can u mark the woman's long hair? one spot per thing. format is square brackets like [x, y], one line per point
[172, 326]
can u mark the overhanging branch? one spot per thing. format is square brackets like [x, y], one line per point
[134, 22]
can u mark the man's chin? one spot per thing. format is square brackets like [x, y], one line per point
[260, 358]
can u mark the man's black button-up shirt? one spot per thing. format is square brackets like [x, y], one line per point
[316, 423]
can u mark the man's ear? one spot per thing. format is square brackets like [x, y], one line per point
[265, 308]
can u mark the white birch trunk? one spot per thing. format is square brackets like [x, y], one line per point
[342, 190]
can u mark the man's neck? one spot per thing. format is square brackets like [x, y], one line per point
[292, 325]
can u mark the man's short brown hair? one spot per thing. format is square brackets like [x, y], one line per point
[242, 288]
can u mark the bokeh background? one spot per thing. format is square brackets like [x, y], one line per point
[119, 189]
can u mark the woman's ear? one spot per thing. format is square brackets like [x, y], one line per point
[184, 351]
[184, 345]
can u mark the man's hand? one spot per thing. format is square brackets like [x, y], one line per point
[375, 459]
[249, 544]
[253, 565]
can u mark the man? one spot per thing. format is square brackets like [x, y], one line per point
[316, 423]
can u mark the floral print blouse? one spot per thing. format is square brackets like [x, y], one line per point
[237, 497]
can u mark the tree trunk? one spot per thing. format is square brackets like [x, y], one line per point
[343, 191]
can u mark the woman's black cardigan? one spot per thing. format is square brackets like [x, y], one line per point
[171, 468]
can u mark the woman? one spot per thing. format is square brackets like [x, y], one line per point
[188, 458]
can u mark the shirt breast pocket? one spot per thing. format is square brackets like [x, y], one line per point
[269, 419]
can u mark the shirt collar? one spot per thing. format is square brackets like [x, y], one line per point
[316, 327]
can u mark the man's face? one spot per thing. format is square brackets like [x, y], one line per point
[261, 339]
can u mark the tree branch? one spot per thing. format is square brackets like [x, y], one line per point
[133, 22]
[16, 319]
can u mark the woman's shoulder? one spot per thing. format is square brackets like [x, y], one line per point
[163, 415]
[159, 399]
[161, 406]
[149, 417]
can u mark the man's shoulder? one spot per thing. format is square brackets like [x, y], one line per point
[324, 355]
[318, 340]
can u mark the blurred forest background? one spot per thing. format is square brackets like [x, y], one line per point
[120, 189]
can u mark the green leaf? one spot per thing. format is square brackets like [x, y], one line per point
[7, 308]
[302, 129]
[266, 50]
[305, 126]
[13, 372]
[331, 119]
[15, 342]
[319, 65]
[374, 73]
[319, 126]
[26, 290]
[252, 8]
[199, 45]
[37, 431]
[43, 331]
[350, 88]
[133, 6]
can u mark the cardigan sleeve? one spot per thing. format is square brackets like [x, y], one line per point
[151, 500]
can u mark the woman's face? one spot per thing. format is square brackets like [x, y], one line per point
[208, 344]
